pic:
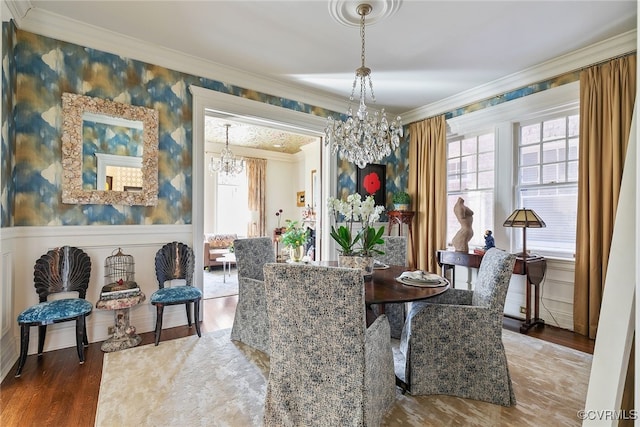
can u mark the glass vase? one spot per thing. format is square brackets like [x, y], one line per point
[296, 253]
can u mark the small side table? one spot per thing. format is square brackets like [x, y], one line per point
[534, 268]
[124, 335]
[403, 217]
[226, 260]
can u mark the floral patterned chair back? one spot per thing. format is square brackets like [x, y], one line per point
[250, 324]
[252, 254]
[395, 253]
[469, 360]
[318, 331]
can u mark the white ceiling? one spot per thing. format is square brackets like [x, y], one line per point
[424, 52]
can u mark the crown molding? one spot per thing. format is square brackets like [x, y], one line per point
[38, 21]
[51, 25]
[559, 99]
[610, 48]
[16, 10]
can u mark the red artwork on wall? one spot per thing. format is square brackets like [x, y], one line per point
[371, 180]
[371, 183]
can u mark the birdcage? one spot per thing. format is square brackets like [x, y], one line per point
[119, 267]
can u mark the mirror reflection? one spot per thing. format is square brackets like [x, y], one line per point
[112, 150]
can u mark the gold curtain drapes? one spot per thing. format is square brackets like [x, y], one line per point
[607, 94]
[428, 189]
[256, 178]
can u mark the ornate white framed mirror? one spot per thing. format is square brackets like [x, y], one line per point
[109, 152]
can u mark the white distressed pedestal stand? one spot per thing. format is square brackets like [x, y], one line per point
[124, 335]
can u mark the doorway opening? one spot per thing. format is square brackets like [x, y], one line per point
[241, 110]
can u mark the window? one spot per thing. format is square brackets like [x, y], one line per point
[525, 154]
[548, 182]
[470, 175]
[232, 212]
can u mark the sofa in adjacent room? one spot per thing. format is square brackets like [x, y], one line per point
[215, 246]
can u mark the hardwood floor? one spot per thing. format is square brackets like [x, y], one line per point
[55, 391]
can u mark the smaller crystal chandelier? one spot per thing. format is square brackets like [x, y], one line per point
[228, 163]
[365, 138]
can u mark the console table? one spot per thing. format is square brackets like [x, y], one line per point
[399, 218]
[533, 267]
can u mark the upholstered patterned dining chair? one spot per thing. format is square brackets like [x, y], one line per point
[326, 367]
[64, 272]
[395, 253]
[452, 343]
[175, 261]
[250, 324]
[395, 250]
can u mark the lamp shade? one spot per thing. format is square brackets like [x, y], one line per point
[524, 218]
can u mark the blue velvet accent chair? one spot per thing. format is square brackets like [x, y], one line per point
[395, 253]
[250, 324]
[175, 261]
[64, 269]
[452, 343]
[327, 368]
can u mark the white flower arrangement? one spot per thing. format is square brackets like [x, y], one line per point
[356, 210]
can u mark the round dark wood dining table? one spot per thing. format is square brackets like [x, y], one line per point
[383, 288]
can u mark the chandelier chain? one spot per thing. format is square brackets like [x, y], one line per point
[362, 55]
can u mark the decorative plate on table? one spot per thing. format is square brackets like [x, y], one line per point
[421, 279]
[377, 265]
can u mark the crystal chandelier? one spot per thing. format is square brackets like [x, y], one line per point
[227, 163]
[365, 138]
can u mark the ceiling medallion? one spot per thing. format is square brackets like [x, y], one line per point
[346, 13]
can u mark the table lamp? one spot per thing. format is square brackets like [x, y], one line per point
[524, 218]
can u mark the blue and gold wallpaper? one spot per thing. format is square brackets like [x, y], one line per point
[37, 70]
[6, 136]
[45, 68]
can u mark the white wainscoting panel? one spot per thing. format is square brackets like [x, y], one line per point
[8, 347]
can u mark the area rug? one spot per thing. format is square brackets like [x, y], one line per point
[215, 287]
[212, 381]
